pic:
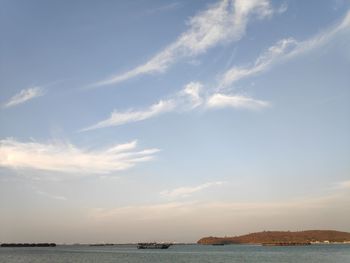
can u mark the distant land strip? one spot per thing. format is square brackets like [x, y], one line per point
[28, 245]
[281, 237]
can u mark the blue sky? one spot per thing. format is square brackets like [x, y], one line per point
[172, 120]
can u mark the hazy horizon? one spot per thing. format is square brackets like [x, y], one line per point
[130, 121]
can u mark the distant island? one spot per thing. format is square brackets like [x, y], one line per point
[28, 245]
[281, 237]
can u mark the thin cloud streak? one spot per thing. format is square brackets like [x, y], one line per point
[165, 7]
[186, 191]
[235, 101]
[282, 50]
[186, 99]
[262, 63]
[120, 118]
[222, 210]
[67, 158]
[223, 22]
[24, 96]
[189, 98]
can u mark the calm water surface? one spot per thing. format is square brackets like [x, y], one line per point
[179, 253]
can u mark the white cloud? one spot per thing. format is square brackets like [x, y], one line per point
[261, 64]
[189, 98]
[68, 158]
[223, 22]
[282, 50]
[192, 90]
[120, 118]
[186, 99]
[187, 191]
[24, 96]
[320, 39]
[235, 101]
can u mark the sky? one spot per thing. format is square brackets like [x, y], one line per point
[130, 121]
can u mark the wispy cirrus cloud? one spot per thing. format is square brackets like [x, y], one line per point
[262, 63]
[186, 99]
[223, 22]
[192, 92]
[162, 8]
[119, 118]
[192, 96]
[67, 158]
[186, 191]
[281, 51]
[189, 98]
[219, 100]
[225, 212]
[24, 96]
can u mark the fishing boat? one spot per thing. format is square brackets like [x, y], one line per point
[153, 245]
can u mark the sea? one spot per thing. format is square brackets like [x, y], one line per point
[332, 253]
